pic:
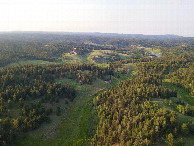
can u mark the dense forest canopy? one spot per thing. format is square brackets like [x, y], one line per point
[49, 46]
[119, 89]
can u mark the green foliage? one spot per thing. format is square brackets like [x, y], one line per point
[127, 113]
[180, 142]
[29, 84]
[184, 129]
[116, 119]
[183, 77]
[170, 140]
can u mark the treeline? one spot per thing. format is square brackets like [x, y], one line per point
[134, 51]
[50, 47]
[127, 115]
[30, 117]
[30, 86]
[183, 77]
[19, 83]
[177, 50]
[24, 86]
[128, 118]
[165, 65]
[117, 64]
[15, 51]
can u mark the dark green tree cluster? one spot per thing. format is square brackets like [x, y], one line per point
[127, 115]
[165, 65]
[24, 85]
[31, 82]
[183, 77]
[31, 117]
[181, 49]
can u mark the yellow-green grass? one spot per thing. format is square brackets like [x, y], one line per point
[76, 124]
[96, 53]
[34, 62]
[154, 50]
[124, 56]
[84, 57]
[180, 91]
[101, 53]
[88, 58]
[189, 140]
[67, 58]
[188, 99]
[173, 107]
[131, 66]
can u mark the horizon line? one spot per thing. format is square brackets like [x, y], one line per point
[43, 31]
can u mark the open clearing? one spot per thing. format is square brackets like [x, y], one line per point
[189, 140]
[154, 50]
[34, 62]
[77, 123]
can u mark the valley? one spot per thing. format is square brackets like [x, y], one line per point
[96, 90]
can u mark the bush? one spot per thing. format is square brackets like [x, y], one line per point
[180, 142]
[184, 129]
[169, 140]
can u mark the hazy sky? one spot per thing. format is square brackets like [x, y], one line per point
[118, 16]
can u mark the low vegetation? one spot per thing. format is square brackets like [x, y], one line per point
[96, 90]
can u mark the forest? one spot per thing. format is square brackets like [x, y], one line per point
[113, 89]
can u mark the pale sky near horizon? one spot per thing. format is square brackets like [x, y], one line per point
[108, 16]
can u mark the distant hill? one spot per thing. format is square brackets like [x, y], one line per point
[74, 36]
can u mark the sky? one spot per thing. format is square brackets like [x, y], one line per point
[150, 17]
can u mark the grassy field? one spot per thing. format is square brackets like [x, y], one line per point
[77, 123]
[180, 93]
[98, 53]
[131, 66]
[189, 140]
[72, 59]
[79, 119]
[124, 56]
[154, 50]
[188, 99]
[67, 58]
[34, 62]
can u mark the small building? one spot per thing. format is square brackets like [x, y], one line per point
[108, 82]
[72, 53]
